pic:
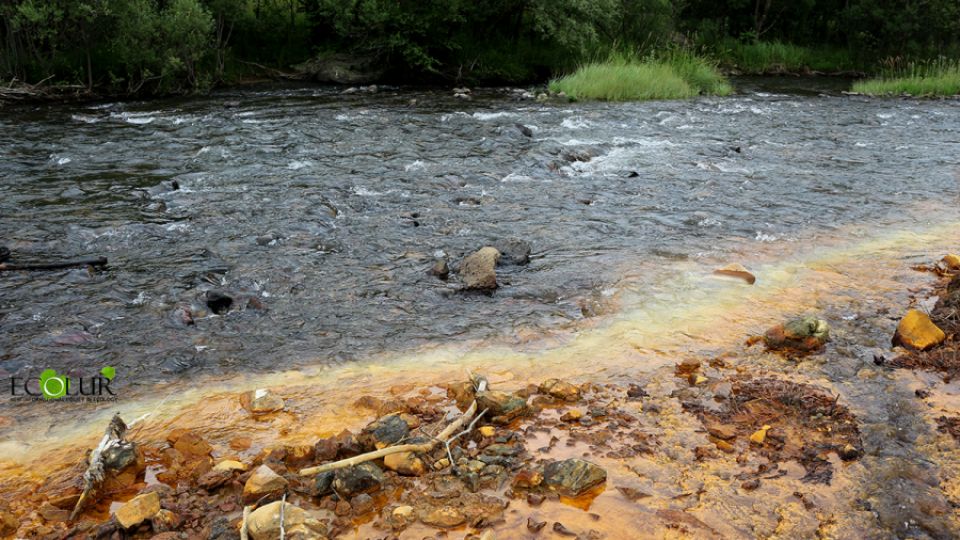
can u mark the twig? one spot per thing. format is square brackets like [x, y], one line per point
[243, 524]
[95, 473]
[283, 504]
[442, 437]
[464, 432]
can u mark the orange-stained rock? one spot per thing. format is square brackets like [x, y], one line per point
[952, 261]
[917, 331]
[138, 509]
[737, 271]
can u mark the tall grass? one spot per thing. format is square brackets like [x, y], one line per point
[762, 57]
[936, 78]
[674, 75]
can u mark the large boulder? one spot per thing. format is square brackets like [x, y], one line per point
[573, 477]
[478, 271]
[917, 331]
[264, 523]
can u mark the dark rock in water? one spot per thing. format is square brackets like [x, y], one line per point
[364, 478]
[633, 174]
[218, 302]
[440, 269]
[513, 251]
[527, 132]
[502, 405]
[478, 270]
[231, 104]
[803, 335]
[384, 431]
[4, 253]
[174, 185]
[120, 457]
[573, 477]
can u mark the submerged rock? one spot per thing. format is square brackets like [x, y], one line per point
[513, 251]
[917, 331]
[261, 401]
[363, 478]
[263, 483]
[264, 523]
[440, 269]
[138, 509]
[736, 271]
[444, 517]
[478, 270]
[573, 477]
[951, 261]
[804, 335]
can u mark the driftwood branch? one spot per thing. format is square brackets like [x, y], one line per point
[96, 473]
[457, 425]
[98, 262]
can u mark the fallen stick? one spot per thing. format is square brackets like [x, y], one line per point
[99, 261]
[442, 437]
[96, 472]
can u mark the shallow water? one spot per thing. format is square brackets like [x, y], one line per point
[827, 198]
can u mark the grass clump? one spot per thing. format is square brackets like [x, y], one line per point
[676, 75]
[761, 57]
[939, 78]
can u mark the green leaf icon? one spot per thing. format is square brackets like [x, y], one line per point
[109, 372]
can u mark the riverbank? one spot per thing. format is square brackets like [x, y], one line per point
[671, 444]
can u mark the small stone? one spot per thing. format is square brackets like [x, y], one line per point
[760, 435]
[636, 392]
[405, 463]
[363, 478]
[952, 261]
[362, 504]
[212, 480]
[736, 271]
[218, 301]
[751, 485]
[501, 404]
[535, 499]
[343, 508]
[703, 452]
[487, 431]
[849, 452]
[562, 530]
[441, 464]
[478, 270]
[535, 526]
[264, 523]
[527, 478]
[572, 415]
[138, 509]
[261, 401]
[573, 477]
[189, 443]
[165, 520]
[632, 493]
[263, 483]
[560, 390]
[917, 331]
[513, 251]
[725, 446]
[383, 432]
[445, 517]
[722, 431]
[229, 465]
[687, 366]
[440, 269]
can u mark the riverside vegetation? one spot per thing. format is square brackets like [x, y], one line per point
[149, 47]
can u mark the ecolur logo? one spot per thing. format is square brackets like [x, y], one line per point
[57, 386]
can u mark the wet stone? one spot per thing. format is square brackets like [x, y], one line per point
[534, 525]
[801, 335]
[722, 431]
[138, 509]
[916, 331]
[513, 251]
[385, 431]
[560, 390]
[263, 483]
[501, 405]
[444, 517]
[261, 401]
[363, 478]
[264, 523]
[362, 504]
[440, 269]
[573, 477]
[478, 270]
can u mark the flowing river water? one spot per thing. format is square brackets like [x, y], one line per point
[324, 212]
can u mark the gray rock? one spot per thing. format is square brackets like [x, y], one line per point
[384, 431]
[501, 405]
[573, 477]
[513, 251]
[440, 269]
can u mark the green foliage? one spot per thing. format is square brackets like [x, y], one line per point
[677, 75]
[939, 78]
[758, 57]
